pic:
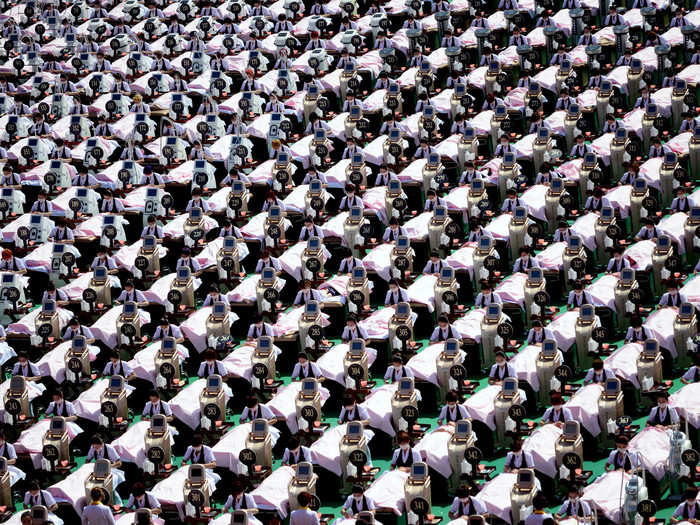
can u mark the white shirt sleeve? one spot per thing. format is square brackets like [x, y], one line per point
[48, 498]
[266, 412]
[208, 455]
[690, 374]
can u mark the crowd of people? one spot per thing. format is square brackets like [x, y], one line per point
[275, 193]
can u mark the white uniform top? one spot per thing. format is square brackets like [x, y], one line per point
[206, 370]
[148, 500]
[482, 300]
[28, 370]
[574, 508]
[404, 455]
[107, 452]
[259, 412]
[134, 295]
[82, 330]
[303, 517]
[692, 512]
[456, 413]
[65, 409]
[692, 373]
[356, 333]
[469, 508]
[236, 504]
[303, 454]
[552, 416]
[173, 331]
[205, 455]
[604, 374]
[617, 460]
[44, 498]
[393, 375]
[514, 460]
[435, 336]
[363, 504]
[161, 407]
[255, 332]
[359, 413]
[537, 519]
[97, 515]
[668, 413]
[310, 370]
[122, 368]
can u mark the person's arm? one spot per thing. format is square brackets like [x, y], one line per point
[285, 457]
[211, 460]
[562, 510]
[229, 504]
[394, 458]
[112, 266]
[221, 366]
[443, 414]
[51, 503]
[71, 411]
[364, 415]
[453, 513]
[492, 376]
[70, 237]
[108, 515]
[362, 332]
[249, 335]
[387, 299]
[197, 268]
[506, 467]
[267, 414]
[187, 456]
[11, 454]
[570, 300]
[141, 298]
[649, 417]
[244, 415]
[156, 509]
[345, 511]
[89, 337]
[688, 376]
[675, 419]
[168, 412]
[345, 337]
[530, 336]
[129, 372]
[118, 462]
[586, 509]
[36, 374]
